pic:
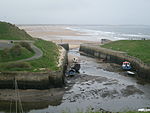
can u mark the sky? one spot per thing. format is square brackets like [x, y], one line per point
[114, 12]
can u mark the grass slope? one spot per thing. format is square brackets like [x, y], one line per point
[50, 55]
[11, 32]
[136, 48]
[49, 60]
[9, 57]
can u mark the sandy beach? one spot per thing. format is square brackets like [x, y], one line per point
[49, 30]
[57, 34]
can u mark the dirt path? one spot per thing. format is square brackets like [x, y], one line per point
[38, 54]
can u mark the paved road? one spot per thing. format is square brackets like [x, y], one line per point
[38, 52]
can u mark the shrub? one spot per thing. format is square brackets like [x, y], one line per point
[5, 53]
[15, 50]
[26, 45]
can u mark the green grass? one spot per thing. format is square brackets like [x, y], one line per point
[137, 48]
[15, 66]
[50, 55]
[49, 60]
[12, 32]
[9, 57]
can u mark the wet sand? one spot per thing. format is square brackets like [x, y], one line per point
[105, 86]
[49, 30]
[51, 33]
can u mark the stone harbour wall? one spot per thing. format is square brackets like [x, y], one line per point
[142, 69]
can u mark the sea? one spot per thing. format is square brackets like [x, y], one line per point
[111, 32]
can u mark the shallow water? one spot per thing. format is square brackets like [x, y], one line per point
[114, 32]
[97, 89]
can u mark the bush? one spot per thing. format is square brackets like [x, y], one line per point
[15, 50]
[26, 45]
[5, 53]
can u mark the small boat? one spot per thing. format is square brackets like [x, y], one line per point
[126, 65]
[71, 72]
[74, 68]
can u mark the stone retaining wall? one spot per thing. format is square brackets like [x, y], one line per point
[65, 46]
[142, 69]
[34, 80]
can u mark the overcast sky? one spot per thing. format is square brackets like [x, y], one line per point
[75, 11]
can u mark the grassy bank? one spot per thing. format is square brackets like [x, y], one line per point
[48, 61]
[18, 51]
[12, 32]
[137, 48]
[14, 54]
